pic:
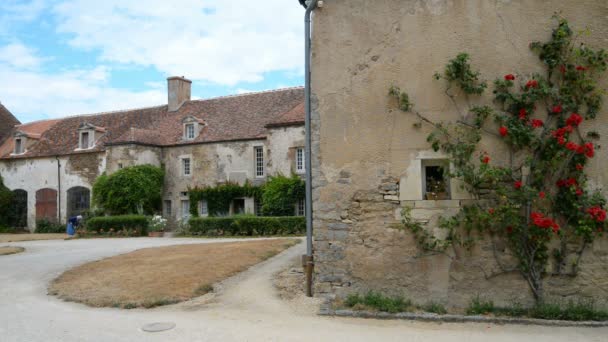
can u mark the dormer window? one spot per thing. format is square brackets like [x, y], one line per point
[192, 127]
[19, 146]
[190, 131]
[84, 140]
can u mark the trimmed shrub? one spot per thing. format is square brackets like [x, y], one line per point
[45, 226]
[247, 225]
[101, 224]
[281, 194]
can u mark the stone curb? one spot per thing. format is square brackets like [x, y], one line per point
[430, 317]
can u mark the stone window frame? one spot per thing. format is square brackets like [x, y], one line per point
[184, 214]
[445, 163]
[182, 165]
[259, 163]
[301, 207]
[20, 141]
[189, 131]
[300, 160]
[203, 208]
[195, 123]
[168, 208]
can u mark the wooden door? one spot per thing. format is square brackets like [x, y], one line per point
[46, 204]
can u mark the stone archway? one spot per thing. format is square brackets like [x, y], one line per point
[18, 212]
[46, 204]
[79, 200]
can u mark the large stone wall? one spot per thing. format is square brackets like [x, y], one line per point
[367, 154]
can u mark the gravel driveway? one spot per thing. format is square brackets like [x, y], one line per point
[246, 309]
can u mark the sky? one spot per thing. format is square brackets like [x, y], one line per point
[67, 57]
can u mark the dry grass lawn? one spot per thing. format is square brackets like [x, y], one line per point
[6, 250]
[159, 276]
[30, 237]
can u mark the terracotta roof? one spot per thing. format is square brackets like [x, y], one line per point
[33, 130]
[294, 117]
[240, 117]
[7, 122]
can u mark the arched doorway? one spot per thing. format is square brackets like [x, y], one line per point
[18, 212]
[79, 200]
[46, 204]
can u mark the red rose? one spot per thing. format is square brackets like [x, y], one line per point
[491, 211]
[536, 123]
[580, 68]
[589, 150]
[571, 181]
[580, 149]
[532, 84]
[579, 192]
[509, 77]
[522, 114]
[571, 146]
[503, 131]
[579, 167]
[556, 109]
[597, 213]
[560, 183]
[574, 120]
[485, 159]
[562, 69]
[517, 184]
[541, 194]
[561, 140]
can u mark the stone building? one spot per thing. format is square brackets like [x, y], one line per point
[51, 165]
[370, 159]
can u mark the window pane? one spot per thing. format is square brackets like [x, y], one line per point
[168, 208]
[186, 166]
[259, 161]
[185, 209]
[85, 140]
[18, 146]
[300, 160]
[189, 131]
[203, 209]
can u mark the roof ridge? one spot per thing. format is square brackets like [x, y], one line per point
[249, 93]
[75, 116]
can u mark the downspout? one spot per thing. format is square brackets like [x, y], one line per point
[311, 5]
[58, 189]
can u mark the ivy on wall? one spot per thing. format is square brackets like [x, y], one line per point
[542, 195]
[278, 196]
[6, 198]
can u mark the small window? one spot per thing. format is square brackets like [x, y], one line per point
[300, 160]
[184, 193]
[189, 131]
[203, 208]
[301, 207]
[186, 167]
[259, 161]
[18, 146]
[258, 207]
[84, 140]
[120, 165]
[168, 208]
[185, 210]
[238, 206]
[436, 185]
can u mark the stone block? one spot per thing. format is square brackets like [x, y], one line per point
[391, 198]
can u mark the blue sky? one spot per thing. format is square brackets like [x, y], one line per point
[68, 57]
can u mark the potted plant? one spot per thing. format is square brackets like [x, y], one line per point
[436, 190]
[157, 226]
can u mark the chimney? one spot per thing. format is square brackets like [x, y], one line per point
[179, 92]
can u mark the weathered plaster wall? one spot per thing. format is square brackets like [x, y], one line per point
[282, 142]
[367, 153]
[131, 155]
[32, 175]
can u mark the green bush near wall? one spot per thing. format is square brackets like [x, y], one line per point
[246, 225]
[125, 222]
[6, 198]
[45, 226]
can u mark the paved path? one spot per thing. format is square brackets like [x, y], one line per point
[246, 309]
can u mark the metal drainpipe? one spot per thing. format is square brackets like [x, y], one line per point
[58, 189]
[309, 256]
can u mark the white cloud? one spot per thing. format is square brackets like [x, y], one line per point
[223, 42]
[19, 56]
[32, 94]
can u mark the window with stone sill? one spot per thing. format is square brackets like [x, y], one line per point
[189, 132]
[203, 208]
[186, 167]
[300, 160]
[86, 140]
[168, 209]
[435, 180]
[19, 146]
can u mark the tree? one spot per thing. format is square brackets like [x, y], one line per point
[281, 194]
[132, 190]
[6, 198]
[542, 194]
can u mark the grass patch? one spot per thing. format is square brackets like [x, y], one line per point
[435, 307]
[376, 301]
[7, 250]
[570, 311]
[154, 277]
[30, 237]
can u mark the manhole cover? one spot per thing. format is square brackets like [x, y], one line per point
[158, 327]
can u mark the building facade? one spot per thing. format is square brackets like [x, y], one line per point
[51, 165]
[370, 160]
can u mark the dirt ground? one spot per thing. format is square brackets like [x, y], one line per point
[30, 237]
[6, 250]
[160, 276]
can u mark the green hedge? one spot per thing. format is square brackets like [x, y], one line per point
[124, 222]
[248, 226]
[45, 226]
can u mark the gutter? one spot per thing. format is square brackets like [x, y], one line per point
[309, 260]
[58, 189]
